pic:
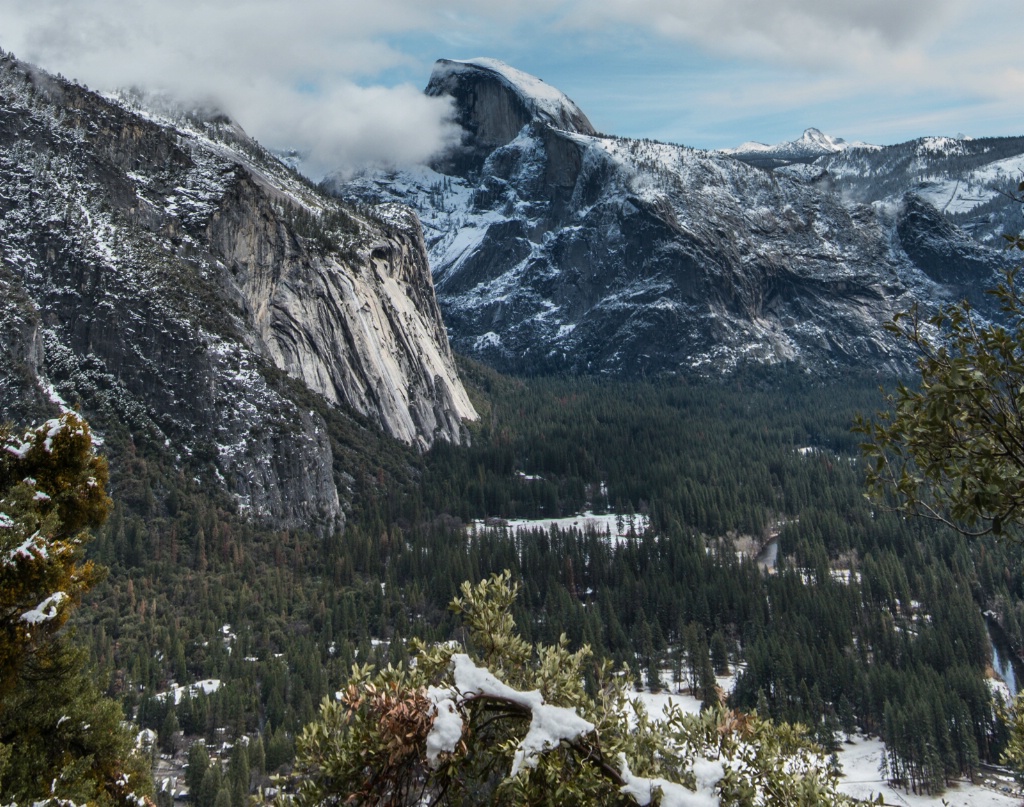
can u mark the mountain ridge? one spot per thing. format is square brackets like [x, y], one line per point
[560, 251]
[811, 145]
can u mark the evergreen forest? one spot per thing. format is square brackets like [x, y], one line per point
[868, 622]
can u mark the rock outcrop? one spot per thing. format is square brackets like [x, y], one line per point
[493, 102]
[167, 274]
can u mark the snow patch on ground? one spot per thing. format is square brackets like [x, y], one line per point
[860, 761]
[206, 687]
[615, 527]
[657, 703]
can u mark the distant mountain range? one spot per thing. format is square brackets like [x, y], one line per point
[164, 272]
[556, 249]
[811, 145]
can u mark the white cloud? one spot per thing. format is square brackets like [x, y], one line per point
[320, 75]
[807, 32]
[294, 75]
[881, 70]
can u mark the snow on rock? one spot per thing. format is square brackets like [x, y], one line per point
[812, 144]
[210, 265]
[559, 250]
[544, 101]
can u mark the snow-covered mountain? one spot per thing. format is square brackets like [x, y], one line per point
[809, 147]
[556, 249]
[971, 181]
[168, 274]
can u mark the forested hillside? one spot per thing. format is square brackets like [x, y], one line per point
[869, 622]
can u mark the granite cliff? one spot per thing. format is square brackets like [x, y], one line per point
[556, 249]
[167, 273]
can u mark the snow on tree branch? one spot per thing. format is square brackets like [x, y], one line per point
[549, 725]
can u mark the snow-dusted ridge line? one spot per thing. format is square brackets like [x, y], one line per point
[812, 143]
[559, 250]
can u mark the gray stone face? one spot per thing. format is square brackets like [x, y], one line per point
[558, 250]
[492, 106]
[168, 273]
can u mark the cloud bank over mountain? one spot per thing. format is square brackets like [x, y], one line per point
[342, 79]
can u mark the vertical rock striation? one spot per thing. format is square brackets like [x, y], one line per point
[163, 272]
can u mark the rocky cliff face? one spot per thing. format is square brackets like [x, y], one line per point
[163, 273]
[555, 249]
[493, 102]
[362, 329]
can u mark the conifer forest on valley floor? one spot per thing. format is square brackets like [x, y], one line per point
[866, 622]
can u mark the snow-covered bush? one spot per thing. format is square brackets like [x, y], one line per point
[503, 722]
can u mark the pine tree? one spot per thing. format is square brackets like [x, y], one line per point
[169, 730]
[238, 774]
[198, 764]
[51, 492]
[69, 741]
[210, 787]
[257, 756]
[719, 654]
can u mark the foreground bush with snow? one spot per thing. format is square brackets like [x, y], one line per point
[510, 723]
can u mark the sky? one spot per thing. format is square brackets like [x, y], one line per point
[342, 80]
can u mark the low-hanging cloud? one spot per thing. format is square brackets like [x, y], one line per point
[318, 75]
[294, 75]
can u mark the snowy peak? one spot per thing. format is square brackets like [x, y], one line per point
[545, 103]
[810, 146]
[817, 139]
[492, 103]
[812, 140]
